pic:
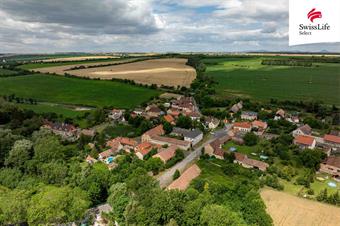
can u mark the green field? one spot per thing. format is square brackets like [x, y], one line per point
[58, 109]
[73, 91]
[246, 77]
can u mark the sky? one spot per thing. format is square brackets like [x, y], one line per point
[46, 26]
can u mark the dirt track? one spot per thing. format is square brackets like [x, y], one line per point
[289, 210]
[169, 72]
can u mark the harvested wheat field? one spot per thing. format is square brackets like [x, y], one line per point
[78, 58]
[289, 210]
[169, 72]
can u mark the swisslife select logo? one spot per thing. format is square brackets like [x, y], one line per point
[314, 21]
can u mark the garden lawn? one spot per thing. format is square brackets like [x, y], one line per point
[246, 77]
[62, 90]
[248, 150]
[211, 170]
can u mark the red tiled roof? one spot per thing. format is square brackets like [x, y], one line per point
[171, 140]
[242, 125]
[305, 140]
[332, 138]
[127, 141]
[143, 145]
[169, 118]
[333, 161]
[158, 130]
[184, 180]
[167, 153]
[106, 153]
[240, 157]
[259, 124]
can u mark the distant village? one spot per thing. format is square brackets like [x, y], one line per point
[165, 145]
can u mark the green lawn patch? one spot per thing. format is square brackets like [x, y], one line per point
[248, 150]
[60, 110]
[246, 77]
[58, 89]
[211, 171]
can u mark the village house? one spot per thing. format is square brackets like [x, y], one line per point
[116, 114]
[293, 119]
[187, 104]
[249, 115]
[90, 160]
[154, 136]
[165, 154]
[88, 132]
[170, 119]
[305, 142]
[194, 115]
[214, 148]
[65, 131]
[193, 136]
[106, 154]
[211, 122]
[236, 107]
[259, 127]
[242, 126]
[160, 140]
[246, 162]
[137, 112]
[143, 149]
[174, 112]
[156, 131]
[280, 114]
[303, 130]
[184, 180]
[332, 140]
[331, 165]
[153, 111]
[124, 143]
[114, 144]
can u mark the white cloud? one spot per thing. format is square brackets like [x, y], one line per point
[146, 25]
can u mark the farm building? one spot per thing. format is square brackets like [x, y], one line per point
[246, 162]
[305, 142]
[332, 140]
[156, 131]
[242, 126]
[249, 115]
[165, 154]
[303, 130]
[331, 166]
[193, 136]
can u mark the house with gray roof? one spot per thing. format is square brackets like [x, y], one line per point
[193, 136]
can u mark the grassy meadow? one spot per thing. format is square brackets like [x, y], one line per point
[246, 77]
[73, 91]
[58, 109]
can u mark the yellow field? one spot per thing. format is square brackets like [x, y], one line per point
[169, 72]
[289, 210]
